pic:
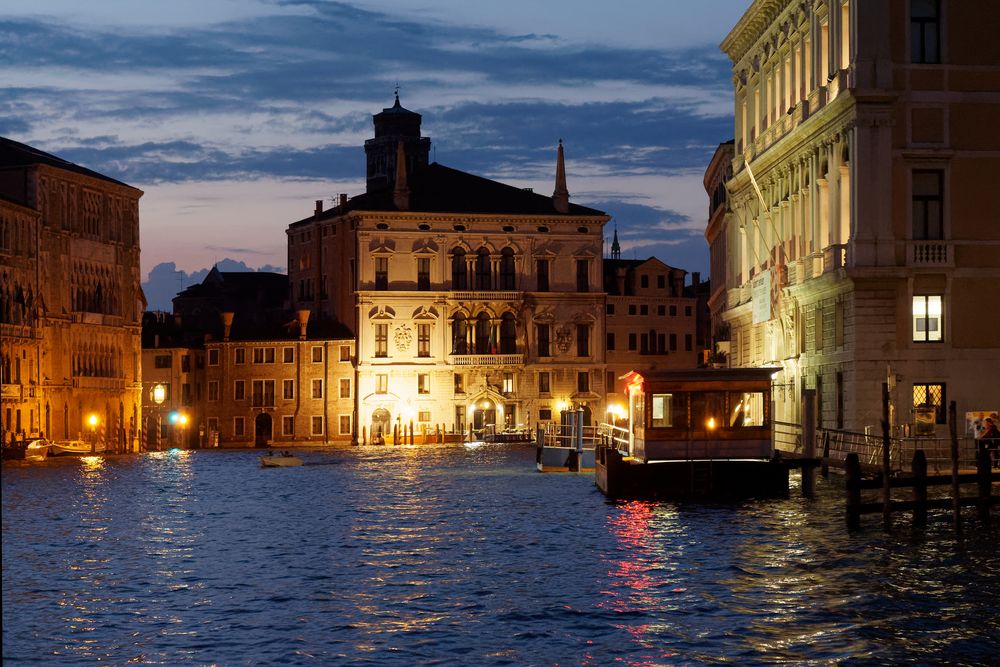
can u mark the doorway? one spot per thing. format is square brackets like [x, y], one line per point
[484, 417]
[262, 430]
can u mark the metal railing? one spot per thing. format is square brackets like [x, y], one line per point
[487, 359]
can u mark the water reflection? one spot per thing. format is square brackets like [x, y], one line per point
[400, 555]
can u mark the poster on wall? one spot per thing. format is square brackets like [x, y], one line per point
[760, 294]
[974, 422]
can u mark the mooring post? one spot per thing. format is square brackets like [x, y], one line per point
[886, 461]
[852, 471]
[956, 499]
[919, 467]
[825, 470]
[539, 443]
[808, 442]
[579, 439]
[983, 471]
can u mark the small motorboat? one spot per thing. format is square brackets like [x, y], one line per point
[75, 447]
[282, 460]
[37, 450]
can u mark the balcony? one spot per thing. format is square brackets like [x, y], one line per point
[487, 359]
[485, 296]
[106, 384]
[929, 253]
[11, 391]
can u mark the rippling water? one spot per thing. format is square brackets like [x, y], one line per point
[438, 556]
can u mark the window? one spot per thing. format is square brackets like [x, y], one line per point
[345, 352]
[583, 340]
[661, 281]
[263, 355]
[238, 426]
[543, 383]
[485, 342]
[239, 390]
[381, 340]
[928, 204]
[288, 355]
[507, 269]
[673, 342]
[381, 383]
[459, 270]
[663, 407]
[423, 273]
[213, 424]
[545, 414]
[381, 273]
[583, 381]
[345, 424]
[661, 343]
[317, 355]
[508, 334]
[263, 393]
[609, 309]
[644, 281]
[345, 387]
[185, 363]
[288, 389]
[288, 425]
[673, 311]
[317, 388]
[582, 275]
[632, 342]
[240, 355]
[542, 331]
[687, 311]
[631, 309]
[611, 342]
[317, 425]
[928, 312]
[610, 381]
[483, 274]
[423, 340]
[508, 384]
[459, 383]
[213, 357]
[542, 274]
[423, 383]
[661, 310]
[644, 343]
[644, 309]
[162, 361]
[931, 396]
[687, 342]
[925, 31]
[459, 335]
[213, 390]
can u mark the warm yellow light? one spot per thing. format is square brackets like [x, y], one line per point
[182, 420]
[617, 410]
[711, 423]
[561, 406]
[159, 394]
[92, 420]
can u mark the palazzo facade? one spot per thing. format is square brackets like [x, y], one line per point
[474, 304]
[70, 301]
[858, 239]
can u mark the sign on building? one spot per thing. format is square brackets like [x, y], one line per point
[760, 295]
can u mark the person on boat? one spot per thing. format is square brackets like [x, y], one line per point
[989, 440]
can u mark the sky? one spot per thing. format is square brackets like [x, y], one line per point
[234, 116]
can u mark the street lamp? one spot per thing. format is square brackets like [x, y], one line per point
[92, 420]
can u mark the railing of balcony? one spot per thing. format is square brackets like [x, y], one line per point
[99, 383]
[505, 295]
[487, 359]
[929, 253]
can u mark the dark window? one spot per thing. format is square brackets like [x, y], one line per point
[423, 383]
[507, 269]
[582, 275]
[928, 204]
[240, 355]
[162, 361]
[423, 273]
[583, 381]
[213, 357]
[644, 280]
[582, 340]
[631, 342]
[542, 272]
[661, 310]
[459, 383]
[609, 309]
[288, 355]
[687, 342]
[661, 281]
[631, 309]
[423, 340]
[381, 273]
[459, 270]
[317, 355]
[543, 383]
[543, 340]
[185, 363]
[508, 334]
[661, 343]
[484, 337]
[239, 390]
[483, 269]
[459, 335]
[644, 309]
[611, 342]
[925, 31]
[687, 311]
[644, 344]
[673, 342]
[673, 311]
[545, 414]
[381, 340]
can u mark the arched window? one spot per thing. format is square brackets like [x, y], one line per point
[483, 269]
[507, 269]
[459, 335]
[459, 271]
[508, 334]
[483, 335]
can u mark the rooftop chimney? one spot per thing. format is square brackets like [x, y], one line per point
[560, 198]
[343, 199]
[227, 323]
[303, 319]
[401, 191]
[319, 206]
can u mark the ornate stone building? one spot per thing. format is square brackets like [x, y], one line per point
[861, 231]
[70, 301]
[473, 303]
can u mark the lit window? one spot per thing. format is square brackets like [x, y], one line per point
[931, 396]
[423, 383]
[928, 318]
[508, 383]
[424, 416]
[543, 383]
[661, 405]
[381, 383]
[423, 340]
[381, 340]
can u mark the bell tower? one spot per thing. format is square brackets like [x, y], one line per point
[394, 126]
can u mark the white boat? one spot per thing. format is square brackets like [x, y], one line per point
[74, 447]
[36, 450]
[282, 460]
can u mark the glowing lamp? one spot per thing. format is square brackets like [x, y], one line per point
[711, 423]
[561, 406]
[92, 420]
[174, 417]
[159, 394]
[182, 420]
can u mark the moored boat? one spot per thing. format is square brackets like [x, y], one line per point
[37, 450]
[282, 460]
[74, 447]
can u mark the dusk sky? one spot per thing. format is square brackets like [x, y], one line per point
[235, 115]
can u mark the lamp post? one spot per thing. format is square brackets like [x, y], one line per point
[92, 421]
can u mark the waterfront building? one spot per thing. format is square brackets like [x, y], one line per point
[651, 319]
[70, 301]
[473, 304]
[859, 241]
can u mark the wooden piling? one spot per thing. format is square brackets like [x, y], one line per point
[886, 461]
[809, 442]
[852, 470]
[825, 470]
[919, 467]
[956, 501]
[983, 470]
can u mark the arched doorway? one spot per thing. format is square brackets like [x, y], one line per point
[380, 425]
[262, 430]
[484, 416]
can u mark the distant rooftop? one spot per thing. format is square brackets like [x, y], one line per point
[15, 154]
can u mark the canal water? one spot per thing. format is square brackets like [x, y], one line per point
[458, 556]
